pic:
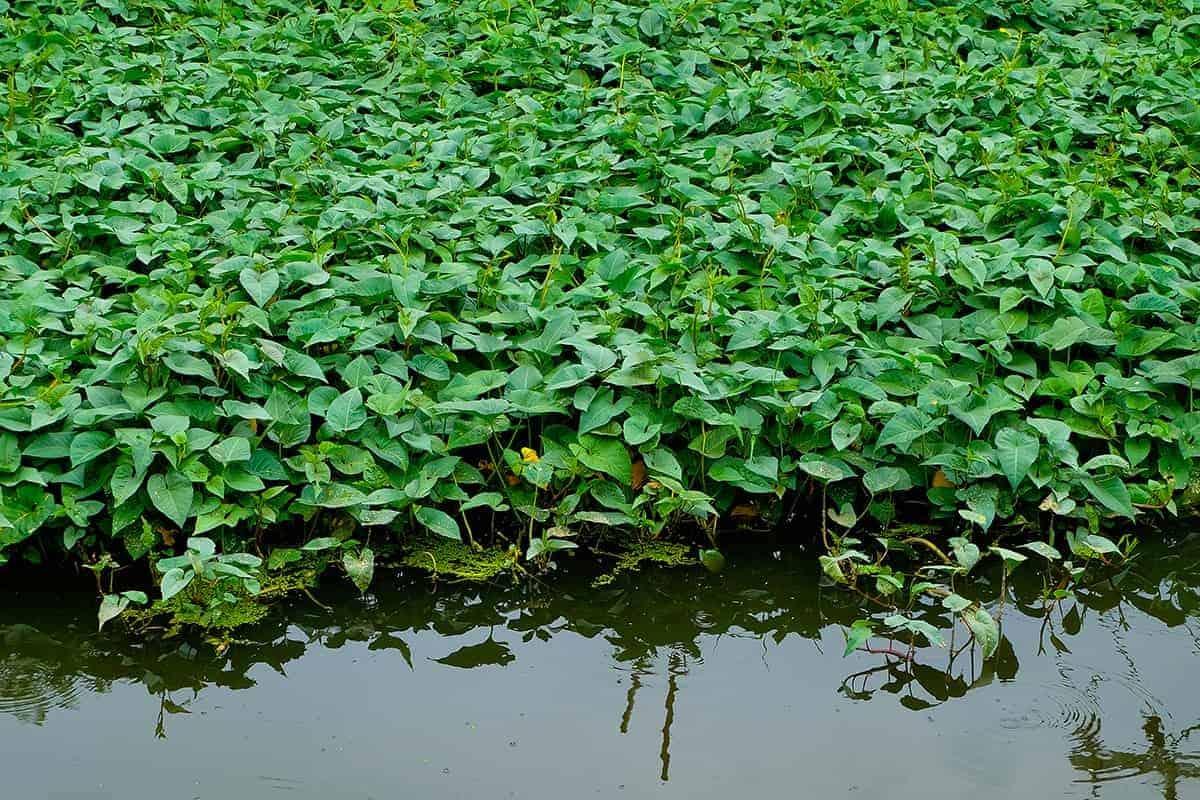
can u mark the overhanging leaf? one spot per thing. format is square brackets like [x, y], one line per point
[360, 567]
[439, 522]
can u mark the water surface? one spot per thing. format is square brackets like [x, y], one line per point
[665, 684]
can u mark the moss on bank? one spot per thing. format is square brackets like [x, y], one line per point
[219, 609]
[670, 554]
[195, 607]
[446, 558]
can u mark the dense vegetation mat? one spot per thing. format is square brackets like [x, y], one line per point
[534, 269]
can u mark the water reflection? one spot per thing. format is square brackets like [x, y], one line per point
[33, 678]
[658, 629]
[1164, 755]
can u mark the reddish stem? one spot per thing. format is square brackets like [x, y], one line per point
[886, 651]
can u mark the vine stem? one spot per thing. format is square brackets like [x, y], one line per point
[923, 541]
[887, 651]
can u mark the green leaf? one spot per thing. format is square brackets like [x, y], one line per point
[1101, 544]
[1016, 451]
[955, 603]
[111, 606]
[260, 286]
[984, 628]
[10, 453]
[1065, 332]
[231, 450]
[602, 409]
[124, 483]
[1010, 557]
[661, 461]
[845, 516]
[900, 622]
[621, 198]
[439, 522]
[433, 368]
[360, 568]
[712, 559]
[492, 500]
[170, 424]
[826, 470]
[965, 553]
[1112, 494]
[638, 429]
[1041, 275]
[303, 365]
[174, 581]
[547, 545]
[321, 543]
[172, 495]
[651, 22]
[282, 556]
[605, 455]
[202, 545]
[881, 479]
[844, 434]
[568, 375]
[857, 635]
[904, 428]
[1044, 550]
[185, 364]
[71, 535]
[139, 443]
[90, 445]
[346, 412]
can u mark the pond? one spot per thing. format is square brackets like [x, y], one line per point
[665, 683]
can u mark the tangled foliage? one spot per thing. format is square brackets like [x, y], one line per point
[262, 258]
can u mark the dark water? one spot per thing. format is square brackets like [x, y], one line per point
[664, 684]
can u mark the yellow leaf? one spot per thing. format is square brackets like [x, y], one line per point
[940, 481]
[638, 474]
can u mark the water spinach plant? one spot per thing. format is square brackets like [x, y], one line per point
[529, 274]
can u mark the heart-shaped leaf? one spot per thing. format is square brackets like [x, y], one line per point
[261, 286]
[1016, 451]
[172, 494]
[360, 567]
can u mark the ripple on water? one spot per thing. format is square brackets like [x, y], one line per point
[30, 695]
[1083, 698]
[1056, 709]
[30, 686]
[1076, 702]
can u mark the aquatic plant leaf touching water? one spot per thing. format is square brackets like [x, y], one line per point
[360, 567]
[983, 627]
[712, 559]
